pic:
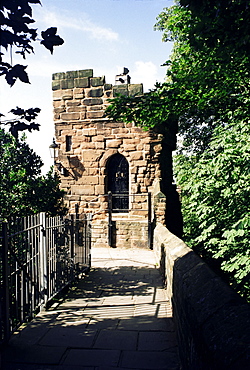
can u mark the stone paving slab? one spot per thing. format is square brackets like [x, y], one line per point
[156, 341]
[92, 357]
[76, 336]
[149, 360]
[117, 317]
[117, 339]
[33, 354]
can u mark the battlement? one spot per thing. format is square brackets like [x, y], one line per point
[84, 79]
[97, 156]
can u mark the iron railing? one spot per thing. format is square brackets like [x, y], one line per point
[39, 257]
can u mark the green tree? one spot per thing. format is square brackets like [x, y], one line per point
[215, 202]
[16, 36]
[23, 190]
[207, 92]
[208, 71]
[207, 79]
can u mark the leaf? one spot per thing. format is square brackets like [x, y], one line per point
[18, 71]
[7, 38]
[31, 114]
[17, 111]
[21, 73]
[50, 39]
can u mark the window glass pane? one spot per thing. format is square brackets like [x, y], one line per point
[68, 143]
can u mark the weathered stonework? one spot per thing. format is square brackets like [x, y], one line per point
[79, 102]
[212, 321]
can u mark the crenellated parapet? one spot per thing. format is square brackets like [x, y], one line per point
[89, 143]
[90, 94]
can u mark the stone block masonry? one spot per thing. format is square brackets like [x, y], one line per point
[212, 321]
[87, 140]
[126, 233]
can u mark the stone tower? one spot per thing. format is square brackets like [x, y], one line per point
[97, 157]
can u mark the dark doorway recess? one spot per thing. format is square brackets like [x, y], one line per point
[118, 182]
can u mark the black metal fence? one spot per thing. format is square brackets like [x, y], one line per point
[39, 256]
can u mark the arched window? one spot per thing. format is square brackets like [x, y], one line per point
[118, 182]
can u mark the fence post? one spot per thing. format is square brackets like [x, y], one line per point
[43, 253]
[110, 218]
[6, 299]
[149, 221]
[89, 235]
[74, 239]
[73, 226]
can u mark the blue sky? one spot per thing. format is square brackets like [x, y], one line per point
[104, 35]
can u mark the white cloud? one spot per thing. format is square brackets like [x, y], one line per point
[146, 73]
[82, 23]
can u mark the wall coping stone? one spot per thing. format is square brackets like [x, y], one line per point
[72, 74]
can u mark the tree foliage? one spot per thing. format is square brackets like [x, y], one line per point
[207, 91]
[17, 37]
[208, 69]
[207, 79]
[23, 190]
[24, 120]
[215, 190]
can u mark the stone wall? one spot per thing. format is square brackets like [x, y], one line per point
[158, 204]
[212, 321]
[126, 233]
[87, 139]
[130, 234]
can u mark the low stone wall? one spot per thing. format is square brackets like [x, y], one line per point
[131, 234]
[126, 233]
[212, 321]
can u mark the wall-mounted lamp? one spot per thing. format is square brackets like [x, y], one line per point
[54, 149]
[54, 154]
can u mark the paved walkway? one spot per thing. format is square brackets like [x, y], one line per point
[115, 318]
